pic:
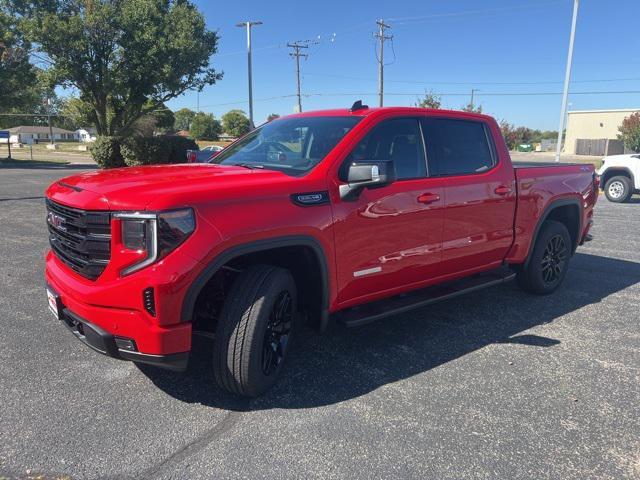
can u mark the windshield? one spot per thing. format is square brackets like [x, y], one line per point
[293, 145]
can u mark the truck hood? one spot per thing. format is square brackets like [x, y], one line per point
[158, 186]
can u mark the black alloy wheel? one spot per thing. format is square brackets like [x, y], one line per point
[276, 335]
[553, 259]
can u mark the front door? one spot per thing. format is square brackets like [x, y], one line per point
[389, 239]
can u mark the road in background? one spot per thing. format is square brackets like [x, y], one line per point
[494, 385]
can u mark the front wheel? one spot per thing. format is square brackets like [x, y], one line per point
[618, 189]
[549, 261]
[254, 331]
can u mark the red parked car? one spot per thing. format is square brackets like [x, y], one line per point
[342, 215]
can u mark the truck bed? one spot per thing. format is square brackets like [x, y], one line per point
[517, 164]
[543, 184]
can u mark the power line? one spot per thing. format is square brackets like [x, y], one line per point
[297, 46]
[483, 94]
[417, 19]
[419, 82]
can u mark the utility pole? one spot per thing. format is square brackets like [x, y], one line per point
[49, 121]
[248, 26]
[473, 93]
[297, 46]
[567, 79]
[382, 37]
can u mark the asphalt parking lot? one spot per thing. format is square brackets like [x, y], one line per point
[495, 385]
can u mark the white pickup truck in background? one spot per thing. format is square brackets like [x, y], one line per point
[620, 177]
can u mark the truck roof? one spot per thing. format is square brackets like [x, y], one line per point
[366, 111]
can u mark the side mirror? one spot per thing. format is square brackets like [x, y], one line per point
[367, 174]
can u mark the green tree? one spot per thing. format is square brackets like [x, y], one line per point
[205, 127]
[183, 119]
[630, 132]
[163, 117]
[470, 107]
[76, 112]
[16, 73]
[509, 134]
[125, 57]
[430, 100]
[235, 123]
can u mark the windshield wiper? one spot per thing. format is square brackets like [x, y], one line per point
[251, 166]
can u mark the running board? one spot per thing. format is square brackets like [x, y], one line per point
[367, 313]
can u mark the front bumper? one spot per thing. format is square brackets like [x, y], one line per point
[105, 343]
[112, 310]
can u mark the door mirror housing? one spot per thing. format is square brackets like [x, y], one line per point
[367, 174]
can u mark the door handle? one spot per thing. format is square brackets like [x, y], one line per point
[502, 190]
[428, 198]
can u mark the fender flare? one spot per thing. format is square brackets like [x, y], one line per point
[614, 171]
[547, 211]
[188, 304]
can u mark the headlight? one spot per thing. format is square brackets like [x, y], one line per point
[154, 235]
[173, 228]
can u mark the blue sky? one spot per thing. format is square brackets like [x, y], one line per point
[449, 47]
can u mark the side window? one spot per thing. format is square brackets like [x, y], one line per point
[397, 140]
[457, 147]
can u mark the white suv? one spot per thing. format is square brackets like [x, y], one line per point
[620, 177]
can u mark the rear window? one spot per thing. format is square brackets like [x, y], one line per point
[457, 147]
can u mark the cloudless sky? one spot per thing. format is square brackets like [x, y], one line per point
[446, 46]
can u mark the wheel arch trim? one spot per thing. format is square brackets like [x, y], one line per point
[545, 215]
[188, 304]
[611, 172]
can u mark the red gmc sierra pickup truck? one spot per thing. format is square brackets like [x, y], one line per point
[343, 215]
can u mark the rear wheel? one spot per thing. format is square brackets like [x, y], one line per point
[254, 331]
[618, 189]
[549, 261]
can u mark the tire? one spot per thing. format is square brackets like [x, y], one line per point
[245, 362]
[549, 261]
[618, 189]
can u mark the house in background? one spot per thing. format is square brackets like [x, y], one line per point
[87, 134]
[595, 132]
[30, 135]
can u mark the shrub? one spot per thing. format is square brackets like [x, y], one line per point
[145, 151]
[179, 147]
[630, 132]
[106, 152]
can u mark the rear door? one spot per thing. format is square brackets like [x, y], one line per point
[389, 238]
[479, 191]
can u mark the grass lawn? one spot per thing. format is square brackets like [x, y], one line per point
[19, 163]
[206, 143]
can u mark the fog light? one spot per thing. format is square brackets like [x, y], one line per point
[126, 344]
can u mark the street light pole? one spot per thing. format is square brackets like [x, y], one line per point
[567, 79]
[248, 26]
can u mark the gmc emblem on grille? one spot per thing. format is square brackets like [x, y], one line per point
[56, 221]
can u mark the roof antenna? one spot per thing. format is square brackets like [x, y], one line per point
[357, 105]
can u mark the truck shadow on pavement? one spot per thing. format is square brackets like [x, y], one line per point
[347, 363]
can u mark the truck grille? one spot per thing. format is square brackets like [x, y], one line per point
[80, 238]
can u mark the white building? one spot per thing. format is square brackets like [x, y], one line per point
[594, 125]
[30, 135]
[86, 134]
